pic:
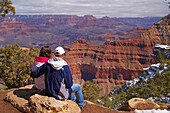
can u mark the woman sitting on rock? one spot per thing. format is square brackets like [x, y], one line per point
[45, 54]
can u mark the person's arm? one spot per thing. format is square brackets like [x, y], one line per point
[39, 71]
[68, 80]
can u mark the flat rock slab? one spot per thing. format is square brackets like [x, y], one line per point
[30, 100]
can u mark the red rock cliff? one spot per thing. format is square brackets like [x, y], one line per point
[113, 63]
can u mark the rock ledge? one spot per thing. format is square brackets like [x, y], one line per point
[30, 100]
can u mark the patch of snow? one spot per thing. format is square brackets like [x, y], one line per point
[145, 69]
[160, 71]
[159, 46]
[152, 111]
[99, 101]
[144, 78]
[110, 98]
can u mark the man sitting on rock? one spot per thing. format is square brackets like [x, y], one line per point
[58, 79]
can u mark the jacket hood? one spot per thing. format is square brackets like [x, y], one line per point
[57, 63]
[41, 59]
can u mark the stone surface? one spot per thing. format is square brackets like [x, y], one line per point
[6, 107]
[30, 100]
[139, 104]
[19, 97]
[46, 104]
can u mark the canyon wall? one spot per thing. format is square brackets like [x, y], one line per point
[57, 30]
[115, 61]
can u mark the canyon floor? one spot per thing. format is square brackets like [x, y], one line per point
[6, 107]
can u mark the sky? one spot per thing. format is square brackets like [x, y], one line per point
[97, 8]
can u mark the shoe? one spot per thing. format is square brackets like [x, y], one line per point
[81, 108]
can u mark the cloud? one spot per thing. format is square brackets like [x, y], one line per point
[111, 8]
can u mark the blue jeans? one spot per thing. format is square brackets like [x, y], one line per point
[79, 95]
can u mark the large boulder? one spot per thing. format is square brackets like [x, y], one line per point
[30, 100]
[139, 104]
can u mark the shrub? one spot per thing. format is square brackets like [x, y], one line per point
[91, 91]
[15, 65]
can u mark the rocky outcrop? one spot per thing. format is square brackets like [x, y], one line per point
[141, 104]
[88, 108]
[30, 100]
[116, 61]
[45, 104]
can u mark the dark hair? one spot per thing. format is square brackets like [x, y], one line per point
[45, 51]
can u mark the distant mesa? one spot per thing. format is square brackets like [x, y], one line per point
[80, 40]
[63, 30]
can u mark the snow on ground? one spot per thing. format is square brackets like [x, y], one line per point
[159, 46]
[151, 111]
[151, 72]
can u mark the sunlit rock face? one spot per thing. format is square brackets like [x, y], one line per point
[115, 61]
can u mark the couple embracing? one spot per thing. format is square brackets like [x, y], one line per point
[52, 74]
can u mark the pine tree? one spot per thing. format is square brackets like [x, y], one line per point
[91, 91]
[6, 7]
[15, 64]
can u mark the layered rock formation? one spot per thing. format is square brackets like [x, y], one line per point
[113, 63]
[37, 31]
[120, 35]
[30, 100]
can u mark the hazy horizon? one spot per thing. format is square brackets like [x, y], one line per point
[85, 15]
[97, 8]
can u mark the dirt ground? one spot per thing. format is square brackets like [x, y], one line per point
[94, 108]
[6, 107]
